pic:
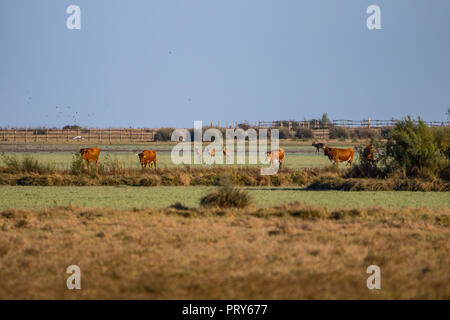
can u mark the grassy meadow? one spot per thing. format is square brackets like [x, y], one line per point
[299, 155]
[132, 243]
[124, 197]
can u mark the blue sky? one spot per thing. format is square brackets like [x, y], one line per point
[167, 63]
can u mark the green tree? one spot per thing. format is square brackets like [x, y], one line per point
[324, 121]
[411, 148]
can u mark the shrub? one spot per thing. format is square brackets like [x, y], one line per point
[40, 131]
[304, 133]
[441, 137]
[367, 168]
[163, 134]
[77, 164]
[72, 127]
[12, 164]
[27, 164]
[110, 165]
[385, 132]
[338, 133]
[226, 196]
[179, 206]
[324, 122]
[365, 133]
[285, 133]
[412, 149]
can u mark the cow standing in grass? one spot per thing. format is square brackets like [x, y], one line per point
[147, 157]
[90, 154]
[226, 152]
[276, 156]
[337, 155]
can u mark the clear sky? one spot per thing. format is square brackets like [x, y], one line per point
[156, 63]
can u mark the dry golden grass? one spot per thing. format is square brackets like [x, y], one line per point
[287, 252]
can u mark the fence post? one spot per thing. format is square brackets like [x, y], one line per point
[109, 135]
[142, 134]
[46, 136]
[120, 135]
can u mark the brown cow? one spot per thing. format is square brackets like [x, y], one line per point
[147, 157]
[339, 155]
[368, 153]
[90, 154]
[212, 152]
[276, 156]
[226, 152]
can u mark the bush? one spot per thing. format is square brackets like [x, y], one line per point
[72, 127]
[441, 137]
[367, 168]
[340, 133]
[77, 164]
[385, 132]
[40, 131]
[412, 149]
[285, 133]
[304, 133]
[110, 165]
[164, 134]
[11, 164]
[365, 133]
[226, 196]
[27, 164]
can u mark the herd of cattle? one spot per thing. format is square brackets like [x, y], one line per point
[336, 155]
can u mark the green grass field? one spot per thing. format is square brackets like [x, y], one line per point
[62, 160]
[160, 197]
[299, 154]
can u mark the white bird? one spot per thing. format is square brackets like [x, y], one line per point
[77, 137]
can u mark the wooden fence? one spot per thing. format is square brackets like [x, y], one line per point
[317, 124]
[81, 135]
[143, 135]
